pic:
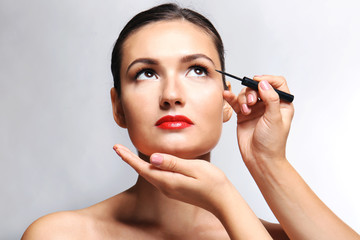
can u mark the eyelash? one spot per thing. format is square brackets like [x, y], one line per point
[205, 69]
[141, 71]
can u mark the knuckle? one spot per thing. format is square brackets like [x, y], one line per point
[274, 98]
[140, 171]
[241, 99]
[282, 81]
[282, 78]
[172, 164]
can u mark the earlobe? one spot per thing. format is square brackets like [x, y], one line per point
[117, 108]
[227, 111]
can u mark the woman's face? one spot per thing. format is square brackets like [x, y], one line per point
[171, 97]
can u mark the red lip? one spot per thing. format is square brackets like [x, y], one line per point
[174, 122]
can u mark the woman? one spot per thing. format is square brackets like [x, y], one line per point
[173, 103]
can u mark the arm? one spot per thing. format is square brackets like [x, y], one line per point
[200, 183]
[262, 131]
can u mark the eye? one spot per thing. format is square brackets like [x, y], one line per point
[197, 71]
[146, 74]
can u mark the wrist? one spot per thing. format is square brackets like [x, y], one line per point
[224, 199]
[266, 166]
[237, 217]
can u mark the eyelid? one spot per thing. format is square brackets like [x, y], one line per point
[201, 66]
[143, 70]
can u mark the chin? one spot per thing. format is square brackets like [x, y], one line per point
[184, 146]
[180, 152]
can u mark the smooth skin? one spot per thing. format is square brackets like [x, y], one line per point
[179, 193]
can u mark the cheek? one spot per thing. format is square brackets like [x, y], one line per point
[139, 116]
[210, 115]
[209, 103]
[138, 101]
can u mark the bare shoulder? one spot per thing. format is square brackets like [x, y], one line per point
[95, 222]
[275, 230]
[59, 225]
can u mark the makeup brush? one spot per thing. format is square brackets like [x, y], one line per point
[254, 85]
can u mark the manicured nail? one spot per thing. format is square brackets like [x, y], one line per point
[115, 148]
[250, 98]
[265, 85]
[245, 108]
[118, 149]
[156, 159]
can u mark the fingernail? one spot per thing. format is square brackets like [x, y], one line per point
[258, 76]
[118, 150]
[115, 148]
[265, 85]
[245, 108]
[250, 98]
[156, 159]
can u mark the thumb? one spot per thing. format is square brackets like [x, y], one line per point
[171, 163]
[271, 100]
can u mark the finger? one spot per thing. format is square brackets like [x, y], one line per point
[231, 98]
[170, 183]
[242, 101]
[174, 164]
[155, 176]
[251, 97]
[271, 100]
[278, 82]
[139, 165]
[256, 112]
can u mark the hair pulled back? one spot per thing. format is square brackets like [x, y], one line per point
[164, 12]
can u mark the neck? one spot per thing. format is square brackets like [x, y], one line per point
[171, 215]
[155, 208]
[148, 206]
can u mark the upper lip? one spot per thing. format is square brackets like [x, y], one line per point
[175, 118]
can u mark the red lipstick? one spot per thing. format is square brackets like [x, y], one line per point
[174, 122]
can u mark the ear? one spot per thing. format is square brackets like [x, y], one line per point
[118, 111]
[227, 109]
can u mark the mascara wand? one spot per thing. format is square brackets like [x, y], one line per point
[254, 85]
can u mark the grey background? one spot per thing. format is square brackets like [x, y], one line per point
[56, 126]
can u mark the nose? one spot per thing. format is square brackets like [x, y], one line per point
[172, 94]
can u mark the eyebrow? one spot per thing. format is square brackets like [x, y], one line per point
[189, 58]
[184, 59]
[149, 61]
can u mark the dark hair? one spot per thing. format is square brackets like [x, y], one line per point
[162, 12]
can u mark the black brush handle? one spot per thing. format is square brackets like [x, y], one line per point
[255, 85]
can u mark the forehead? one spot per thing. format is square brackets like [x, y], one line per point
[169, 40]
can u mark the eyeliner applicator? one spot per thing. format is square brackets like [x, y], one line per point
[254, 85]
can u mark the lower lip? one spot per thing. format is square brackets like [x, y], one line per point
[174, 125]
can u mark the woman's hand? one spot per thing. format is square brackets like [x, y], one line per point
[262, 125]
[262, 129]
[199, 183]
